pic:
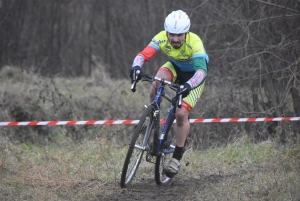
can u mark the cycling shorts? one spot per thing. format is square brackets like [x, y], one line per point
[180, 77]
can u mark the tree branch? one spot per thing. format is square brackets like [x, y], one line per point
[276, 5]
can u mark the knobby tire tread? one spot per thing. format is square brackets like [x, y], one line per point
[149, 110]
[158, 163]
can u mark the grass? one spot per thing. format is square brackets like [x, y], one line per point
[263, 170]
[28, 168]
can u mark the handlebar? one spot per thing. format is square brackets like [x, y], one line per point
[174, 86]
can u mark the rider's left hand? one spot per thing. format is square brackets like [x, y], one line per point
[185, 90]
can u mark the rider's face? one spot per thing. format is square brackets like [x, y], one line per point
[176, 40]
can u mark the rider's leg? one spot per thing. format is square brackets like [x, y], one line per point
[162, 73]
[181, 129]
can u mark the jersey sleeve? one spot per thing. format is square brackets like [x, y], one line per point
[199, 51]
[148, 53]
[152, 48]
[200, 60]
[200, 64]
[200, 72]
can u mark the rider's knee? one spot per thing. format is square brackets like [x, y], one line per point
[181, 117]
[164, 74]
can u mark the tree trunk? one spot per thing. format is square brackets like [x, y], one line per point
[296, 100]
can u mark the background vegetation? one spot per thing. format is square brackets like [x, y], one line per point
[253, 47]
[69, 60]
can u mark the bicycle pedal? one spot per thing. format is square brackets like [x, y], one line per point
[170, 175]
[149, 158]
[167, 144]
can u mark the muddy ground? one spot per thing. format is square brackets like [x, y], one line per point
[181, 188]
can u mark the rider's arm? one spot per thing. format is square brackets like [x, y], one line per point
[150, 50]
[144, 56]
[200, 74]
[200, 60]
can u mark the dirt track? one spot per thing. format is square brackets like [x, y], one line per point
[181, 188]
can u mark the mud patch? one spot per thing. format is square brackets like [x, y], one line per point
[181, 188]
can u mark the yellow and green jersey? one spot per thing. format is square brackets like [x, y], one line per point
[183, 57]
[190, 57]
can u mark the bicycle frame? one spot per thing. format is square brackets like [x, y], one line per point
[163, 147]
[156, 102]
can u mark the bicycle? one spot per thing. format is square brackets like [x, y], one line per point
[149, 127]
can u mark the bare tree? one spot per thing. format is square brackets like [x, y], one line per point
[253, 46]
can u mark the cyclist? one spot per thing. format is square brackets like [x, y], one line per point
[187, 66]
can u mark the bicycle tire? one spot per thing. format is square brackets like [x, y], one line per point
[162, 159]
[131, 164]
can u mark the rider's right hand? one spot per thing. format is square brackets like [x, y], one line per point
[133, 73]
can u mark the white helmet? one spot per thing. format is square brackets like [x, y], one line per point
[177, 22]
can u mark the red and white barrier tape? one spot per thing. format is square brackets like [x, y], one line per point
[110, 122]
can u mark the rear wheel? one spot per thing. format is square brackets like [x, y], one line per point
[160, 177]
[163, 159]
[139, 143]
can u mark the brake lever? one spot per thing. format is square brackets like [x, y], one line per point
[180, 97]
[133, 85]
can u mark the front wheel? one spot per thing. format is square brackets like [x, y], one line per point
[138, 145]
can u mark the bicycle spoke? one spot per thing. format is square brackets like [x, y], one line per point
[138, 145]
